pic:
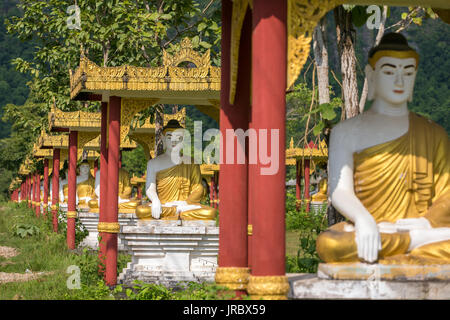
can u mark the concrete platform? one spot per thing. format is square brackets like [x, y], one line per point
[168, 252]
[90, 222]
[309, 286]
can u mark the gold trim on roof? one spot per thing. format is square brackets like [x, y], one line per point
[75, 120]
[60, 141]
[95, 144]
[89, 77]
[309, 153]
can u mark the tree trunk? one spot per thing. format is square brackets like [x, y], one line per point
[380, 33]
[320, 48]
[346, 38]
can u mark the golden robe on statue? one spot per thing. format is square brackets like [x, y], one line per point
[408, 177]
[124, 192]
[179, 183]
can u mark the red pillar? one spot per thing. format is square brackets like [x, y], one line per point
[298, 183]
[269, 112]
[111, 218]
[103, 182]
[306, 195]
[72, 186]
[139, 191]
[216, 191]
[34, 193]
[211, 192]
[28, 192]
[38, 194]
[233, 255]
[55, 188]
[45, 205]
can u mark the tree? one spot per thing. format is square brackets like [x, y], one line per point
[345, 38]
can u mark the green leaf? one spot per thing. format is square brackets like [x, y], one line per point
[318, 128]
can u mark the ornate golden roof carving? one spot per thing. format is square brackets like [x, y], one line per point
[75, 120]
[89, 77]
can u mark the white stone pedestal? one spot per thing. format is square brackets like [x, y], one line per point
[317, 207]
[168, 252]
[372, 282]
[90, 222]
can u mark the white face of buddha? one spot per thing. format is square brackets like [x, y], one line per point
[173, 139]
[84, 169]
[393, 79]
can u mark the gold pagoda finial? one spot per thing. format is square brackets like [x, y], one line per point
[291, 143]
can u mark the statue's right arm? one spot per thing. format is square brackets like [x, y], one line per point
[150, 190]
[343, 196]
[97, 184]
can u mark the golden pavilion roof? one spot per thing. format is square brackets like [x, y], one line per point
[308, 152]
[208, 170]
[166, 84]
[136, 180]
[47, 141]
[94, 144]
[76, 120]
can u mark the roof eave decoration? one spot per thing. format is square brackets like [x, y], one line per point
[91, 78]
[75, 120]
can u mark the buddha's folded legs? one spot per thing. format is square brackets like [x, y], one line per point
[203, 213]
[144, 212]
[337, 245]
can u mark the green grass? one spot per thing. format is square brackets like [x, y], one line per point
[47, 251]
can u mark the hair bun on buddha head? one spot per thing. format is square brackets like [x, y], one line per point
[392, 45]
[172, 125]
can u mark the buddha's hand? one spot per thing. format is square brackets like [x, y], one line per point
[156, 209]
[368, 240]
[413, 224]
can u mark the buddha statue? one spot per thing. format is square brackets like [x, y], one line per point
[63, 188]
[389, 172]
[125, 188]
[321, 195]
[85, 186]
[174, 183]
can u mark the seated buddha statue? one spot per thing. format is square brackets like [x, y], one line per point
[174, 183]
[321, 195]
[389, 172]
[125, 188]
[63, 188]
[85, 186]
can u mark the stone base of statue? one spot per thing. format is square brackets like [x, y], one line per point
[373, 281]
[171, 251]
[318, 206]
[89, 220]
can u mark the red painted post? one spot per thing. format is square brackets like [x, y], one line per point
[111, 218]
[55, 188]
[72, 189]
[306, 195]
[298, 184]
[35, 192]
[38, 195]
[269, 47]
[103, 182]
[45, 205]
[233, 239]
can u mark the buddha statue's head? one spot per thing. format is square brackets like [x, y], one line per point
[173, 136]
[391, 70]
[84, 168]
